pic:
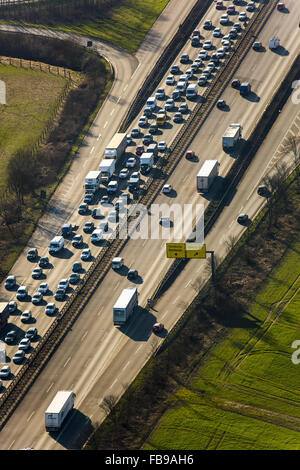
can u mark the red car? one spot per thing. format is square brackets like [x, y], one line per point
[235, 83]
[231, 9]
[219, 5]
[196, 33]
[190, 155]
[157, 327]
[139, 150]
[280, 6]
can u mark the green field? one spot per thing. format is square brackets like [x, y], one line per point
[247, 393]
[30, 97]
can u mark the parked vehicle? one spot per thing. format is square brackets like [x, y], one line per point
[157, 327]
[242, 218]
[151, 102]
[26, 316]
[106, 169]
[116, 146]
[50, 308]
[134, 181]
[88, 227]
[206, 175]
[190, 155]
[10, 336]
[58, 410]
[12, 306]
[232, 135]
[31, 333]
[112, 186]
[77, 241]
[125, 305]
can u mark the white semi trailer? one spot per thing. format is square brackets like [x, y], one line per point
[116, 146]
[107, 168]
[57, 411]
[125, 305]
[207, 173]
[92, 182]
[231, 136]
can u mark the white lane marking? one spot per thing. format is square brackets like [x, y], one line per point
[29, 417]
[125, 87]
[92, 149]
[118, 99]
[50, 386]
[84, 335]
[112, 111]
[117, 283]
[98, 136]
[126, 365]
[113, 383]
[100, 310]
[135, 71]
[11, 445]
[68, 360]
[105, 125]
[140, 346]
[175, 300]
[187, 285]
[231, 223]
[163, 316]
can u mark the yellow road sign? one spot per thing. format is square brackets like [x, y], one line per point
[195, 250]
[175, 250]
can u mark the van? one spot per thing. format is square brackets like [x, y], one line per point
[117, 263]
[97, 235]
[56, 244]
[112, 186]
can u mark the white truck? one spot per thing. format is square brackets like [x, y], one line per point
[146, 162]
[92, 182]
[57, 243]
[274, 42]
[125, 305]
[192, 91]
[206, 175]
[61, 405]
[107, 168]
[231, 136]
[116, 146]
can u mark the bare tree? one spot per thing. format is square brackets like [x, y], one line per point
[292, 146]
[10, 210]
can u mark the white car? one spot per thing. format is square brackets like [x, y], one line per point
[143, 121]
[221, 52]
[5, 372]
[63, 284]
[226, 45]
[151, 102]
[167, 188]
[165, 221]
[189, 73]
[170, 80]
[50, 308]
[207, 44]
[131, 162]
[124, 173]
[250, 6]
[243, 16]
[26, 316]
[21, 292]
[207, 24]
[36, 298]
[202, 55]
[169, 104]
[211, 66]
[24, 344]
[162, 146]
[43, 289]
[85, 254]
[160, 94]
[217, 33]
[202, 80]
[224, 19]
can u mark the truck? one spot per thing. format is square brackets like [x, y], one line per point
[231, 136]
[206, 175]
[125, 305]
[57, 411]
[245, 89]
[146, 162]
[4, 314]
[274, 42]
[192, 91]
[92, 182]
[107, 168]
[57, 243]
[116, 146]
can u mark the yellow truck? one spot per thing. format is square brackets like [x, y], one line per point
[161, 119]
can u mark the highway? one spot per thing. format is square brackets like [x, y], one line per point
[94, 371]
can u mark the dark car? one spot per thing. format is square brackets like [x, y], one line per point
[242, 218]
[132, 274]
[235, 83]
[31, 333]
[32, 254]
[44, 262]
[221, 104]
[77, 267]
[280, 6]
[18, 356]
[157, 327]
[10, 336]
[190, 155]
[83, 208]
[66, 230]
[77, 241]
[262, 190]
[37, 273]
[74, 278]
[60, 294]
[88, 227]
[88, 198]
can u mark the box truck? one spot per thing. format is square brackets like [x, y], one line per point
[207, 174]
[125, 305]
[107, 168]
[92, 182]
[231, 136]
[116, 146]
[58, 409]
[146, 162]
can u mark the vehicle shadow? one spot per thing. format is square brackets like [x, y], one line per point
[76, 429]
[253, 97]
[280, 50]
[145, 318]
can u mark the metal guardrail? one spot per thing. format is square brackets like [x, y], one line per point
[72, 308]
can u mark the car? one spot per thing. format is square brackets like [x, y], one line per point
[184, 59]
[250, 6]
[202, 80]
[237, 26]
[26, 316]
[196, 33]
[194, 67]
[113, 216]
[211, 66]
[215, 58]
[221, 52]
[88, 227]
[147, 139]
[50, 308]
[207, 72]
[88, 198]
[22, 292]
[18, 357]
[24, 344]
[236, 83]
[189, 73]
[10, 282]
[124, 173]
[10, 336]
[233, 33]
[231, 10]
[63, 284]
[143, 121]
[129, 139]
[104, 200]
[44, 262]
[167, 188]
[226, 45]
[169, 104]
[139, 150]
[135, 132]
[174, 69]
[165, 221]
[12, 306]
[74, 278]
[36, 273]
[60, 294]
[190, 155]
[202, 55]
[219, 5]
[221, 104]
[151, 102]
[224, 19]
[207, 44]
[198, 62]
[131, 162]
[160, 94]
[77, 241]
[83, 208]
[262, 190]
[85, 254]
[280, 6]
[5, 372]
[256, 45]
[31, 333]
[170, 80]
[207, 24]
[183, 108]
[103, 226]
[242, 218]
[217, 33]
[148, 111]
[32, 254]
[153, 128]
[37, 298]
[132, 274]
[177, 117]
[157, 327]
[175, 95]
[162, 146]
[77, 267]
[243, 16]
